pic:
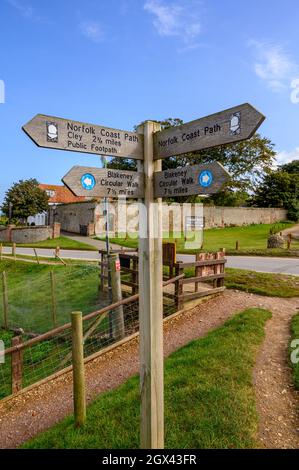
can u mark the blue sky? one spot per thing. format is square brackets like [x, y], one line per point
[119, 62]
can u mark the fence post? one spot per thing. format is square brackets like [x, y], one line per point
[5, 300]
[237, 245]
[16, 366]
[135, 276]
[197, 271]
[289, 241]
[117, 315]
[53, 297]
[36, 255]
[78, 369]
[13, 250]
[179, 287]
[101, 286]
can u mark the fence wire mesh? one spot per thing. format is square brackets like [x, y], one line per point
[41, 299]
[78, 290]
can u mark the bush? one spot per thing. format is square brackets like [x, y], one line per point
[293, 211]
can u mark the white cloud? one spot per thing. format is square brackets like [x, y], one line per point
[181, 19]
[92, 31]
[25, 10]
[286, 157]
[273, 65]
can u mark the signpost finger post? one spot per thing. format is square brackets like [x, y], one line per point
[148, 146]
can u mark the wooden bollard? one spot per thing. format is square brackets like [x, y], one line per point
[237, 244]
[78, 369]
[57, 251]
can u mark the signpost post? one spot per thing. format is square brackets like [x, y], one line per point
[150, 303]
[149, 145]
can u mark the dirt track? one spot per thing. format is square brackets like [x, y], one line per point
[26, 415]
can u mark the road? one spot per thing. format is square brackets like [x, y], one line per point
[258, 263]
[255, 263]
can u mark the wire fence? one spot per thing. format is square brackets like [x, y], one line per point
[31, 359]
[37, 303]
[37, 300]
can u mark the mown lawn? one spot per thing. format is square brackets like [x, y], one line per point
[30, 296]
[252, 240]
[273, 285]
[209, 397]
[63, 242]
[295, 349]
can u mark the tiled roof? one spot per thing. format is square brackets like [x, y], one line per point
[61, 194]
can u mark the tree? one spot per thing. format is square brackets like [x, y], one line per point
[230, 198]
[246, 161]
[24, 199]
[279, 189]
[291, 167]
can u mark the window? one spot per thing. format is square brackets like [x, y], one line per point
[50, 192]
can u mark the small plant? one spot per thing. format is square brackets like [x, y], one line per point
[38, 353]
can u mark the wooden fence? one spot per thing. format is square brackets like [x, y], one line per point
[30, 361]
[202, 277]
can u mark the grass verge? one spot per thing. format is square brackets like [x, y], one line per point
[295, 336]
[209, 397]
[270, 284]
[252, 240]
[63, 242]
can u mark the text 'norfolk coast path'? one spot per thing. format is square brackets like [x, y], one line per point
[226, 127]
[63, 134]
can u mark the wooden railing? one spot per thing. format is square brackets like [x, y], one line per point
[208, 278]
[206, 274]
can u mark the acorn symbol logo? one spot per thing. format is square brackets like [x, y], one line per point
[235, 124]
[52, 132]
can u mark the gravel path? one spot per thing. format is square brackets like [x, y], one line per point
[26, 415]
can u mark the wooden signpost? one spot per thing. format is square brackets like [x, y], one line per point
[149, 184]
[226, 127]
[64, 134]
[202, 179]
[102, 182]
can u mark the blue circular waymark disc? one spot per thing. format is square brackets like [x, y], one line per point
[205, 178]
[88, 181]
